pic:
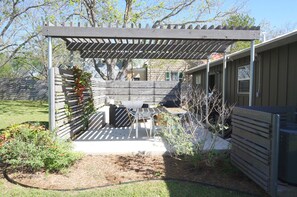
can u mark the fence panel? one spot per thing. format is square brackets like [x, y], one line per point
[254, 149]
[151, 92]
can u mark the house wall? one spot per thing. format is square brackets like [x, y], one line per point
[156, 69]
[275, 77]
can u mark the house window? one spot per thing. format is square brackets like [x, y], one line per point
[243, 78]
[198, 79]
[180, 76]
[173, 76]
[168, 76]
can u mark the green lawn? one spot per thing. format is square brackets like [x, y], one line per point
[150, 188]
[12, 112]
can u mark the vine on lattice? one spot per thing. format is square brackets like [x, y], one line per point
[82, 81]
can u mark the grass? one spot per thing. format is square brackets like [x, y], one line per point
[150, 188]
[14, 112]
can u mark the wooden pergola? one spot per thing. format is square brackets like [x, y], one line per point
[163, 42]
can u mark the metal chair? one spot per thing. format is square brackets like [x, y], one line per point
[135, 105]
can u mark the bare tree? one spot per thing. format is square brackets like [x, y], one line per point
[195, 101]
[14, 32]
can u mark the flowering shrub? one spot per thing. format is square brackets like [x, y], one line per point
[33, 148]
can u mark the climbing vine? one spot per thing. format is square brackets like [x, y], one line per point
[82, 84]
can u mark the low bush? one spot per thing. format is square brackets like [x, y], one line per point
[33, 148]
[184, 142]
[180, 142]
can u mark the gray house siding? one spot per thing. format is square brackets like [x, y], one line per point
[275, 77]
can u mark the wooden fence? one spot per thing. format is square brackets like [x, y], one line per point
[151, 92]
[23, 89]
[255, 141]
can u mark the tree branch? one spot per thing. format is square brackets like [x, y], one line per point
[103, 76]
[18, 48]
[174, 12]
[14, 14]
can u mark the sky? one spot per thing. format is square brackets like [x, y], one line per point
[278, 12]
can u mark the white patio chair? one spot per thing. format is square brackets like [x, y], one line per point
[135, 105]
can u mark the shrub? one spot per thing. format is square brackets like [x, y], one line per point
[174, 134]
[32, 148]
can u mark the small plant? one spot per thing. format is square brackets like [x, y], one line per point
[68, 111]
[32, 148]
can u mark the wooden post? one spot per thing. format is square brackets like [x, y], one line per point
[274, 154]
[51, 88]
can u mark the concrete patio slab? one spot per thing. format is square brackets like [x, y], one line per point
[150, 146]
[111, 140]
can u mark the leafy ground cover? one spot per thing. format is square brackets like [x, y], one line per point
[15, 112]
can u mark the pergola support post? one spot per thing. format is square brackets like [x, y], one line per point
[206, 88]
[207, 76]
[51, 88]
[224, 91]
[224, 79]
[252, 61]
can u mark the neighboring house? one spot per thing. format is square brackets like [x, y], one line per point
[166, 70]
[275, 74]
[159, 70]
[137, 74]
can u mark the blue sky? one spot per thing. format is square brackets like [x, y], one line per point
[278, 12]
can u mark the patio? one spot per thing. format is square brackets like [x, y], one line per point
[106, 139]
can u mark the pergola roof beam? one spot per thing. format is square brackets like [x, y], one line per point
[139, 33]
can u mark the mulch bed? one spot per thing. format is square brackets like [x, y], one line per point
[93, 171]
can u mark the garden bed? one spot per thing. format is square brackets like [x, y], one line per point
[94, 171]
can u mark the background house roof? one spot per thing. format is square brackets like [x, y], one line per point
[164, 42]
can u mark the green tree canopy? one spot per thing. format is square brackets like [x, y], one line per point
[243, 20]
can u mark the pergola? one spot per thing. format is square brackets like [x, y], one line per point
[162, 42]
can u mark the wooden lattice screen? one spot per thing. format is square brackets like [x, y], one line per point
[69, 113]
